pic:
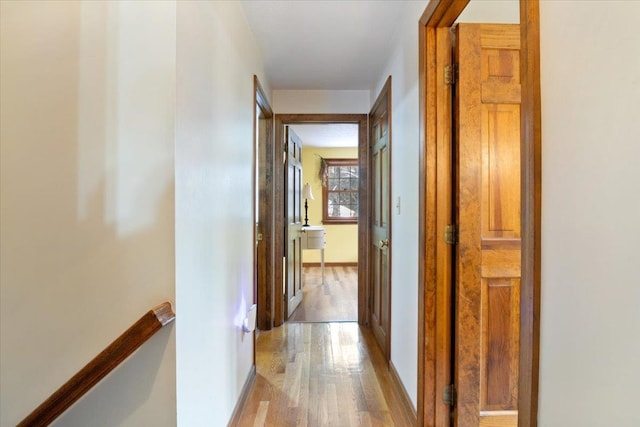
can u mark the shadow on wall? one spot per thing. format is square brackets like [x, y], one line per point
[111, 281]
[87, 203]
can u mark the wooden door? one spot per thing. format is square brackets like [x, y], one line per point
[380, 221]
[293, 210]
[487, 292]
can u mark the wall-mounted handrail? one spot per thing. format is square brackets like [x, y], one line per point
[100, 366]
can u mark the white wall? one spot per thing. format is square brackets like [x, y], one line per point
[491, 11]
[321, 101]
[403, 68]
[590, 351]
[87, 235]
[217, 58]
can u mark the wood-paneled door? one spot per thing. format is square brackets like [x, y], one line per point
[380, 220]
[293, 209]
[487, 211]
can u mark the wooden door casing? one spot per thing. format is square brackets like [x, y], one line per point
[293, 204]
[433, 308]
[487, 292]
[279, 218]
[264, 210]
[380, 220]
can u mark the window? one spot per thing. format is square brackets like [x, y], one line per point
[340, 191]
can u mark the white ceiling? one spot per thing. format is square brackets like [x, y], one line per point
[325, 44]
[328, 135]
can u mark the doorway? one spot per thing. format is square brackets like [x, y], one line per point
[281, 122]
[373, 296]
[330, 190]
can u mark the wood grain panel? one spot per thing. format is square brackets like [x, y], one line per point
[385, 307]
[376, 173]
[376, 292]
[384, 184]
[499, 372]
[501, 243]
[501, 170]
[504, 419]
[500, 263]
[500, 66]
[496, 92]
[497, 314]
[502, 36]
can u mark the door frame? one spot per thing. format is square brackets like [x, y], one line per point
[435, 187]
[281, 120]
[263, 295]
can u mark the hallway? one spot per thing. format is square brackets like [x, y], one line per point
[319, 374]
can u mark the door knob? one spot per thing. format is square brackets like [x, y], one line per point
[383, 244]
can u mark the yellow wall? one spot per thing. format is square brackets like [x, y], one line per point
[342, 239]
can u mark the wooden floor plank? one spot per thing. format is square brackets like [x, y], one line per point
[333, 375]
[334, 300]
[261, 415]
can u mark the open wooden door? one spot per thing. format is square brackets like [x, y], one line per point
[293, 212]
[380, 221]
[487, 291]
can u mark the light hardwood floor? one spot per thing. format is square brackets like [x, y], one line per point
[335, 300]
[321, 374]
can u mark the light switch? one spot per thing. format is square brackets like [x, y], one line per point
[398, 205]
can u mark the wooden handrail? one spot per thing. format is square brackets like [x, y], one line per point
[100, 366]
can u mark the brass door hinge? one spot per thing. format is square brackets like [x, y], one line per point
[450, 396]
[450, 74]
[451, 234]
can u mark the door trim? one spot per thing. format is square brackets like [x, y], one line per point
[278, 203]
[263, 295]
[433, 305]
